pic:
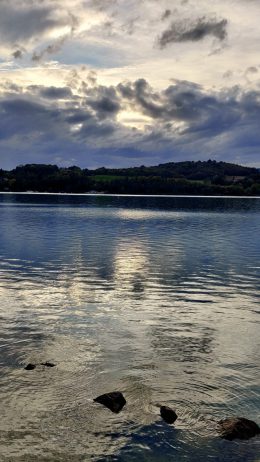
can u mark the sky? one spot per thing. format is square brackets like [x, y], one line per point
[121, 83]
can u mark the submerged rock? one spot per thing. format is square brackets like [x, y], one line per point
[48, 364]
[238, 427]
[30, 367]
[114, 401]
[168, 414]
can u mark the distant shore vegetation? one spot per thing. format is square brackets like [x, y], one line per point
[191, 178]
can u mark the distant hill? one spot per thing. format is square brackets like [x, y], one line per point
[190, 170]
[209, 178]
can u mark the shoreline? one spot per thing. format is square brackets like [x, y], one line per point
[35, 193]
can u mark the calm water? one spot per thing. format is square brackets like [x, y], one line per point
[156, 297]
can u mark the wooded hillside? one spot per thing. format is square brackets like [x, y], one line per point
[209, 178]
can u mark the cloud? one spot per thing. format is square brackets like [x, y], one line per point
[50, 49]
[18, 54]
[125, 100]
[193, 32]
[182, 101]
[52, 93]
[21, 22]
[252, 70]
[166, 14]
[30, 24]
[57, 45]
[104, 101]
[228, 74]
[22, 116]
[140, 94]
[37, 111]
[183, 120]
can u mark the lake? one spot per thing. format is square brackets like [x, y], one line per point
[157, 297]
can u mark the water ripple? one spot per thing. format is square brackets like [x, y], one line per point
[157, 299]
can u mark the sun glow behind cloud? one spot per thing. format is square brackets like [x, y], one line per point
[143, 81]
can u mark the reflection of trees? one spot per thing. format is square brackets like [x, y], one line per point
[160, 442]
[101, 239]
[188, 347]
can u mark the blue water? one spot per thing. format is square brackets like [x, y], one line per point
[156, 297]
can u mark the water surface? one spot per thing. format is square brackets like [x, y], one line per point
[156, 297]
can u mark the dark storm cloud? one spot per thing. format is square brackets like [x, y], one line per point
[140, 94]
[77, 116]
[105, 106]
[29, 22]
[24, 116]
[103, 100]
[177, 102]
[202, 114]
[92, 129]
[20, 22]
[55, 92]
[38, 111]
[184, 120]
[193, 32]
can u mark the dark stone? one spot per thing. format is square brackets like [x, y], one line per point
[238, 427]
[30, 367]
[114, 401]
[48, 364]
[168, 414]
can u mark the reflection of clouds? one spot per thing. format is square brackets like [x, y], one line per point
[159, 305]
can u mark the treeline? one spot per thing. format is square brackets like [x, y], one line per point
[205, 178]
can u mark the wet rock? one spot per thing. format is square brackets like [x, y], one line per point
[30, 367]
[168, 414]
[48, 364]
[237, 428]
[114, 401]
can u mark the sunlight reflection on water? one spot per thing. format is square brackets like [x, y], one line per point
[156, 297]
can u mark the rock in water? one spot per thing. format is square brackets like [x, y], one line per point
[114, 401]
[238, 427]
[48, 364]
[168, 414]
[30, 367]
